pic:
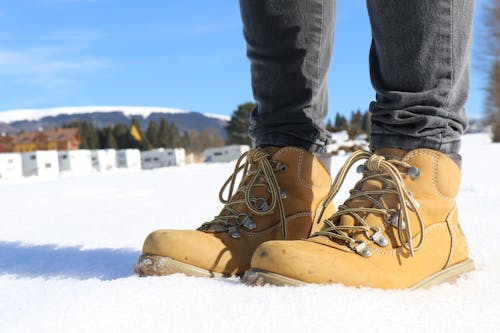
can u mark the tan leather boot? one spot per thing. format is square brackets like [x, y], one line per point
[279, 197]
[397, 230]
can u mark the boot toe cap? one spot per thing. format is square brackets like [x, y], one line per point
[292, 259]
[204, 250]
[306, 261]
[176, 243]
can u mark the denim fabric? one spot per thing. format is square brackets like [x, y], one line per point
[419, 66]
[289, 44]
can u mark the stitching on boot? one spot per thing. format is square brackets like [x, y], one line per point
[300, 160]
[449, 218]
[287, 149]
[301, 179]
[317, 210]
[434, 179]
[382, 251]
[435, 164]
[400, 249]
[277, 225]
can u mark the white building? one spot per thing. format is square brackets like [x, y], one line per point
[225, 154]
[75, 161]
[159, 158]
[43, 163]
[128, 158]
[103, 159]
[11, 165]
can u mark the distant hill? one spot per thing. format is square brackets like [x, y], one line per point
[6, 128]
[31, 120]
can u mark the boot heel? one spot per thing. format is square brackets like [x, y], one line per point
[448, 275]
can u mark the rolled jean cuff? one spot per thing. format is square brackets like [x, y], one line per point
[378, 141]
[284, 140]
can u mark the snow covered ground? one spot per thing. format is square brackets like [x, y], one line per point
[68, 245]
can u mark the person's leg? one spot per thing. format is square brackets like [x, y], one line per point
[284, 184]
[419, 64]
[399, 227]
[289, 47]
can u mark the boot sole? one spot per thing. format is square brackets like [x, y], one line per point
[256, 277]
[152, 265]
[447, 275]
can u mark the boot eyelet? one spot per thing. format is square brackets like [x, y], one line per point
[391, 217]
[233, 232]
[262, 204]
[379, 239]
[283, 195]
[361, 249]
[413, 172]
[361, 169]
[283, 168]
[249, 223]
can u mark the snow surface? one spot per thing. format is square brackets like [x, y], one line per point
[68, 245]
[8, 116]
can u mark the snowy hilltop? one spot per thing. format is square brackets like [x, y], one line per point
[9, 116]
[101, 116]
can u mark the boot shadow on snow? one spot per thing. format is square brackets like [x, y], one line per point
[50, 261]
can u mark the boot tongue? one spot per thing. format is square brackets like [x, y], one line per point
[385, 200]
[260, 192]
[391, 153]
[369, 185]
[372, 185]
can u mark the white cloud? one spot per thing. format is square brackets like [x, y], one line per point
[66, 36]
[48, 66]
[43, 67]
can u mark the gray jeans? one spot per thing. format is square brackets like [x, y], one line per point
[419, 67]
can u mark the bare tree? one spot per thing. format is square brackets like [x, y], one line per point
[491, 37]
[493, 101]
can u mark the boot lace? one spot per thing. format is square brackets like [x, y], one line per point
[257, 164]
[390, 173]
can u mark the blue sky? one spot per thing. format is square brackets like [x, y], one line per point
[182, 54]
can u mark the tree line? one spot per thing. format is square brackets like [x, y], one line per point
[358, 123]
[166, 134]
[491, 48]
[157, 135]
